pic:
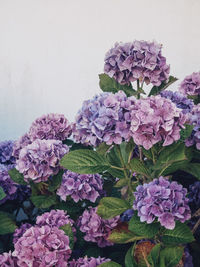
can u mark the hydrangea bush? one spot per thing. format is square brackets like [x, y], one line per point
[120, 185]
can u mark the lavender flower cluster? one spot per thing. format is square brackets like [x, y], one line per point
[95, 228]
[6, 149]
[7, 260]
[194, 119]
[190, 86]
[164, 200]
[20, 231]
[87, 262]
[128, 62]
[179, 100]
[80, 186]
[194, 195]
[40, 159]
[9, 187]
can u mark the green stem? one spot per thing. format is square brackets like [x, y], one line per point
[118, 168]
[140, 153]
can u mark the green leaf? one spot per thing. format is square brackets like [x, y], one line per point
[129, 258]
[55, 182]
[157, 89]
[16, 176]
[68, 231]
[115, 159]
[181, 234]
[103, 148]
[108, 84]
[142, 228]
[43, 202]
[110, 264]
[170, 257]
[121, 183]
[84, 161]
[153, 257]
[2, 193]
[192, 168]
[127, 150]
[185, 133]
[110, 207]
[137, 166]
[123, 237]
[7, 225]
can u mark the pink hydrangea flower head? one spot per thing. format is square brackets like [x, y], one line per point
[87, 262]
[43, 246]
[40, 159]
[163, 200]
[19, 144]
[50, 126]
[95, 228]
[191, 85]
[20, 231]
[7, 260]
[80, 186]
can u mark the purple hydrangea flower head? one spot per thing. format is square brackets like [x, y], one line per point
[187, 258]
[7, 260]
[43, 246]
[20, 231]
[40, 159]
[103, 119]
[6, 149]
[164, 200]
[23, 192]
[55, 218]
[127, 215]
[80, 186]
[20, 143]
[179, 100]
[194, 195]
[9, 187]
[50, 126]
[191, 84]
[194, 119]
[127, 62]
[88, 262]
[155, 119]
[95, 228]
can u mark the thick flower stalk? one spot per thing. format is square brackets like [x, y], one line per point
[155, 119]
[40, 159]
[80, 186]
[95, 228]
[102, 119]
[162, 200]
[43, 246]
[139, 60]
[190, 86]
[194, 119]
[50, 126]
[87, 262]
[7, 260]
[20, 231]
[6, 149]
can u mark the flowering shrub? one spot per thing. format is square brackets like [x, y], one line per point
[124, 190]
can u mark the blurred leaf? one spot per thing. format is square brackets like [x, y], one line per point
[16, 176]
[121, 183]
[103, 148]
[157, 89]
[153, 257]
[192, 168]
[110, 264]
[129, 258]
[68, 231]
[55, 181]
[123, 237]
[44, 202]
[2, 193]
[170, 257]
[7, 225]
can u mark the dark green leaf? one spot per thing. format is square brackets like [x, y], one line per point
[157, 89]
[55, 181]
[102, 149]
[185, 133]
[127, 150]
[108, 84]
[7, 225]
[84, 161]
[142, 228]
[170, 257]
[110, 207]
[16, 176]
[68, 231]
[121, 183]
[129, 258]
[192, 168]
[153, 257]
[137, 166]
[110, 264]
[43, 202]
[115, 159]
[123, 237]
[2, 193]
[181, 234]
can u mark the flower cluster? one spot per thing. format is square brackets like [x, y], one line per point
[164, 200]
[179, 100]
[127, 62]
[95, 228]
[155, 119]
[194, 119]
[40, 159]
[20, 231]
[6, 149]
[7, 260]
[127, 215]
[80, 186]
[43, 246]
[101, 119]
[9, 187]
[191, 84]
[50, 126]
[87, 262]
[19, 144]
[194, 195]
[55, 218]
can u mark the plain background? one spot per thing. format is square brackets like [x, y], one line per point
[51, 51]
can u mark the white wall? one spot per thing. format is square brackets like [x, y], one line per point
[51, 51]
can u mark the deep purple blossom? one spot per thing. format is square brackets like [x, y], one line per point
[20, 231]
[20, 143]
[50, 126]
[127, 215]
[179, 100]
[95, 228]
[80, 186]
[187, 258]
[87, 262]
[40, 159]
[6, 149]
[194, 195]
[164, 200]
[155, 119]
[102, 119]
[7, 260]
[191, 84]
[43, 246]
[128, 62]
[9, 187]
[194, 119]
